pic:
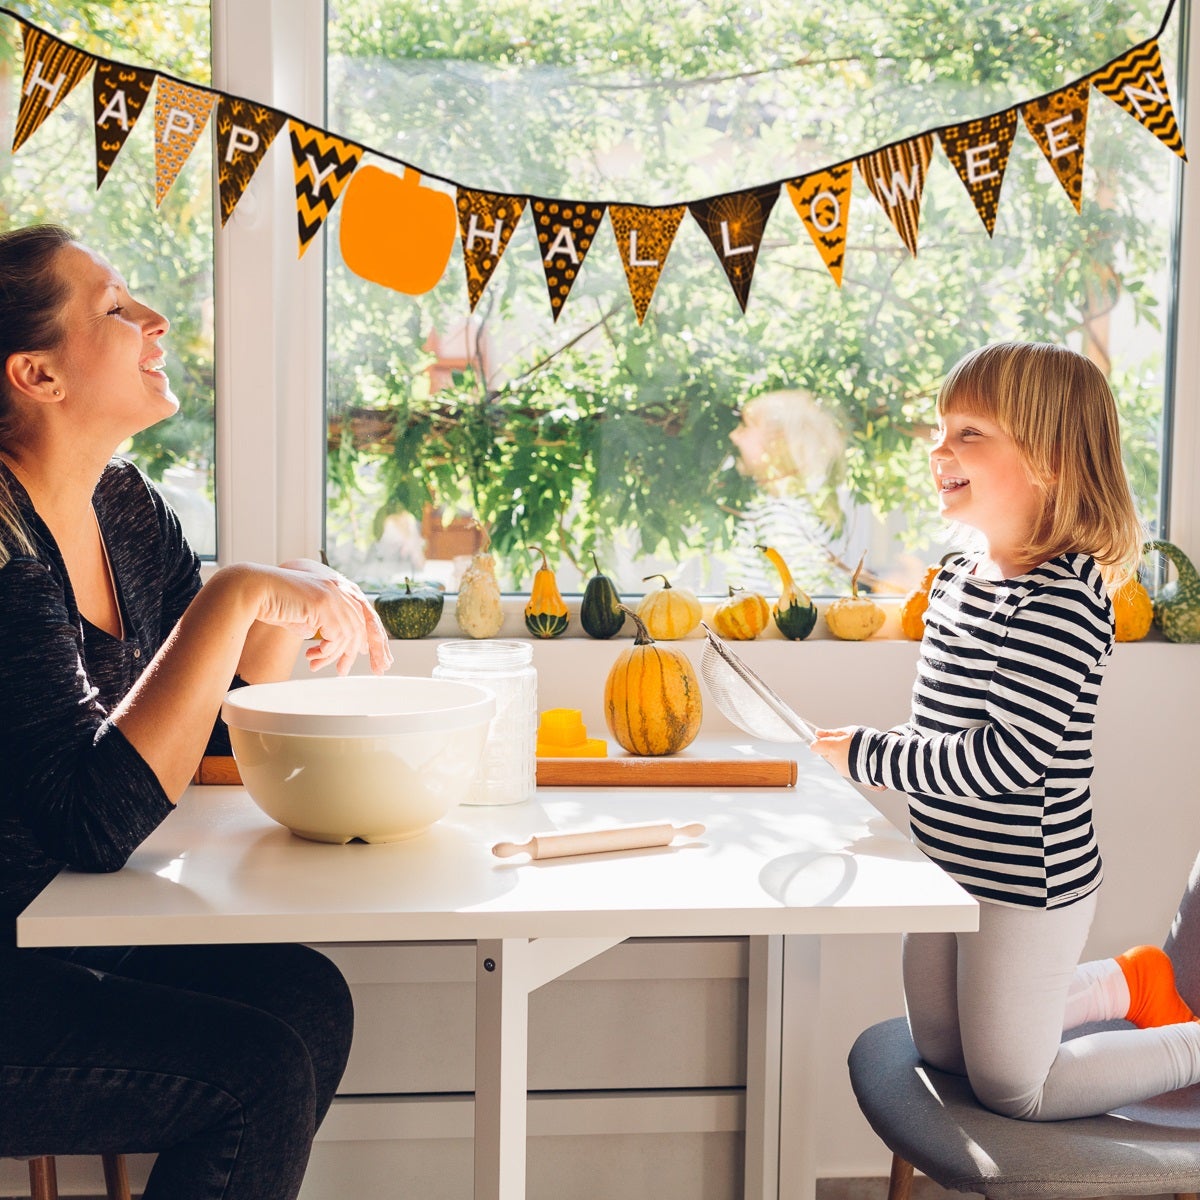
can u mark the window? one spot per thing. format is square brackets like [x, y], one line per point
[164, 254]
[680, 444]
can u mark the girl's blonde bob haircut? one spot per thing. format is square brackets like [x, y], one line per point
[1056, 405]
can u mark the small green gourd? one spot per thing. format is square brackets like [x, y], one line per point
[410, 613]
[1177, 604]
[794, 612]
[600, 612]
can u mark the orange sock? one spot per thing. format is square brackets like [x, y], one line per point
[1153, 999]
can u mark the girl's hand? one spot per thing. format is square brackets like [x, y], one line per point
[833, 745]
[312, 600]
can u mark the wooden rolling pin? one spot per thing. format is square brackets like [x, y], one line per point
[597, 841]
[669, 771]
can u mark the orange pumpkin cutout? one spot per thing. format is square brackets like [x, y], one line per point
[396, 232]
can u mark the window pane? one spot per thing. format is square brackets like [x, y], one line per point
[165, 254]
[680, 444]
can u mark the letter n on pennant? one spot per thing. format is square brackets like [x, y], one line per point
[119, 95]
[978, 151]
[1136, 83]
[245, 132]
[323, 165]
[822, 202]
[1058, 123]
[565, 231]
[644, 237]
[486, 221]
[180, 115]
[52, 69]
[896, 177]
[735, 225]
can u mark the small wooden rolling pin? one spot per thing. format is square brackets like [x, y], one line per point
[597, 841]
[668, 771]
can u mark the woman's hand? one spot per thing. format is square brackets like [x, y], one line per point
[833, 745]
[312, 600]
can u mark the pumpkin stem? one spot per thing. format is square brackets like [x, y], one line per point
[666, 581]
[854, 577]
[408, 585]
[539, 550]
[596, 563]
[641, 635]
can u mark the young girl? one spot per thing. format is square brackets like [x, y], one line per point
[996, 757]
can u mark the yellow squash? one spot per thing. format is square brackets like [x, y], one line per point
[742, 616]
[546, 613]
[1133, 610]
[652, 697]
[854, 618]
[669, 612]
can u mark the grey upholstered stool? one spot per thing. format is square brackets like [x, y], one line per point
[932, 1121]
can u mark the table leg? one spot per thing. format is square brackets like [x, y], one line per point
[764, 1012]
[799, 1063]
[506, 971]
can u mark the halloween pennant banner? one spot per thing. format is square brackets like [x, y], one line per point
[401, 228]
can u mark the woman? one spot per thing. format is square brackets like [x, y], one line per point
[222, 1060]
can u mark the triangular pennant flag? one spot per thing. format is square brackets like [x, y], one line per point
[1136, 82]
[979, 152]
[896, 177]
[119, 94]
[822, 202]
[735, 224]
[245, 132]
[1058, 123]
[180, 115]
[323, 164]
[486, 221]
[52, 69]
[644, 236]
[565, 231]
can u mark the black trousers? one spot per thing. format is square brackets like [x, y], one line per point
[222, 1060]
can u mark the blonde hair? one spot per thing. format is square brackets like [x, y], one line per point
[32, 295]
[1057, 407]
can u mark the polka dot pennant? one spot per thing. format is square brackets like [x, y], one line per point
[565, 232]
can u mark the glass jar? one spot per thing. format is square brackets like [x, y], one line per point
[508, 772]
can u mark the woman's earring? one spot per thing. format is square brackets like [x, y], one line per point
[58, 391]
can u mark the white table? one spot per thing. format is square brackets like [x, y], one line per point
[783, 866]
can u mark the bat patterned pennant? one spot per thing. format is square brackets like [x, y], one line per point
[1136, 83]
[1058, 123]
[896, 177]
[486, 221]
[734, 224]
[978, 151]
[565, 232]
[245, 132]
[822, 202]
[323, 166]
[119, 95]
[52, 69]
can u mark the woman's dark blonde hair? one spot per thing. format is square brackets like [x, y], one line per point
[1058, 408]
[32, 296]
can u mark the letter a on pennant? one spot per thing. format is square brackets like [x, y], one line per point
[565, 231]
[180, 115]
[978, 151]
[1058, 123]
[822, 202]
[644, 236]
[323, 164]
[735, 225]
[896, 177]
[52, 69]
[1136, 83]
[486, 221]
[119, 95]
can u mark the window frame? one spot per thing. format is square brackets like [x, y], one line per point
[270, 332]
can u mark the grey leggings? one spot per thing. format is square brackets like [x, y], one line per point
[990, 1005]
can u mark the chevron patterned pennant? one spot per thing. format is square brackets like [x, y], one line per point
[1136, 83]
[323, 166]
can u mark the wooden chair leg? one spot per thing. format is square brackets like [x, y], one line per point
[900, 1181]
[1185, 1196]
[116, 1178]
[43, 1178]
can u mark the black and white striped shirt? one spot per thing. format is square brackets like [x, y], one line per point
[996, 758]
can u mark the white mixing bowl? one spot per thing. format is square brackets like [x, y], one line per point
[373, 757]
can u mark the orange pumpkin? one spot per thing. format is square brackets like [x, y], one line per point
[912, 610]
[396, 232]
